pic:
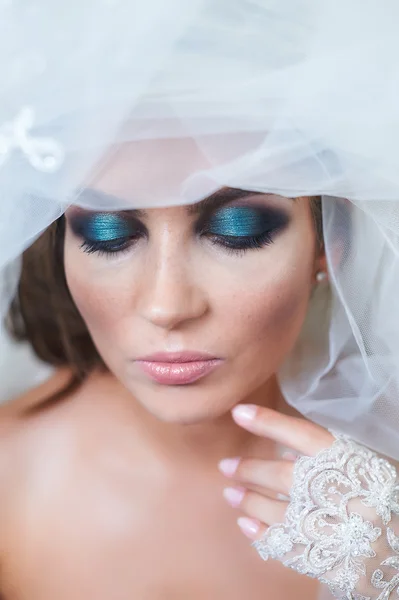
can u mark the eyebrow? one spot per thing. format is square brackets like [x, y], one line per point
[212, 202]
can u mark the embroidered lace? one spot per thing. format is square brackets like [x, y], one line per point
[342, 523]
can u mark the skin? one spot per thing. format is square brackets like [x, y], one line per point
[175, 292]
[115, 492]
[262, 509]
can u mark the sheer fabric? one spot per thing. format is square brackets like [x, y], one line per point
[290, 97]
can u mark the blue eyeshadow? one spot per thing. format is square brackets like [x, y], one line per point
[242, 221]
[102, 227]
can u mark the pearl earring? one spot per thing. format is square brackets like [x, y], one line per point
[321, 276]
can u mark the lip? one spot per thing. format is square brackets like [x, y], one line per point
[178, 368]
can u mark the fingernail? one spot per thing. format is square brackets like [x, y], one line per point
[249, 527]
[244, 412]
[234, 496]
[228, 466]
[289, 456]
[283, 497]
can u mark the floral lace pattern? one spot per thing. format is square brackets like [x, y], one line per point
[336, 523]
[44, 154]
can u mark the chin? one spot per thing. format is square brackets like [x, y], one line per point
[179, 417]
[185, 405]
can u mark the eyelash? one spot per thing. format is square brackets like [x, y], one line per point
[232, 244]
[239, 245]
[114, 247]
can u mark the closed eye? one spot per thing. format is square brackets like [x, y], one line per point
[241, 228]
[106, 233]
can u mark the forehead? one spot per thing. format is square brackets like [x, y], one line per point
[150, 172]
[167, 172]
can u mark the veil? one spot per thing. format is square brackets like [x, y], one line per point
[291, 97]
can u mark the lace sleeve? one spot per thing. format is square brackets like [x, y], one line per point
[342, 523]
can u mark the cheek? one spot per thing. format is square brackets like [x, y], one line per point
[102, 296]
[263, 311]
[274, 308]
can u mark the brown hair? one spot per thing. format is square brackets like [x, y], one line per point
[44, 313]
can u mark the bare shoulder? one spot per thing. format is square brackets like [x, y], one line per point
[40, 444]
[17, 419]
[48, 421]
[60, 404]
[37, 394]
[32, 422]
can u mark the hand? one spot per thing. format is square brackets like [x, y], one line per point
[302, 437]
[341, 496]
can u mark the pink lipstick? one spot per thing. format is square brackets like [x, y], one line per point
[178, 368]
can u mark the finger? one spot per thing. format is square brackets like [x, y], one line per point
[288, 455]
[275, 475]
[256, 506]
[252, 528]
[298, 434]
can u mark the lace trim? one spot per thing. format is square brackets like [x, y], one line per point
[328, 533]
[44, 154]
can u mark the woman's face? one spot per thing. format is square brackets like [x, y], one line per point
[194, 308]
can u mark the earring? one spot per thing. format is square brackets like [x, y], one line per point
[321, 276]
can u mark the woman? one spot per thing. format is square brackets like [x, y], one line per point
[184, 298]
[183, 344]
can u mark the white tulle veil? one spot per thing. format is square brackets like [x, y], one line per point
[293, 97]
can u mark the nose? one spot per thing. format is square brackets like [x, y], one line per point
[171, 294]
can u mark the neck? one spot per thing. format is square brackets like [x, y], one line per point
[221, 436]
[205, 441]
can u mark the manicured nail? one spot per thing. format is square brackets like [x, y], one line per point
[249, 527]
[228, 466]
[234, 496]
[283, 497]
[244, 412]
[289, 456]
